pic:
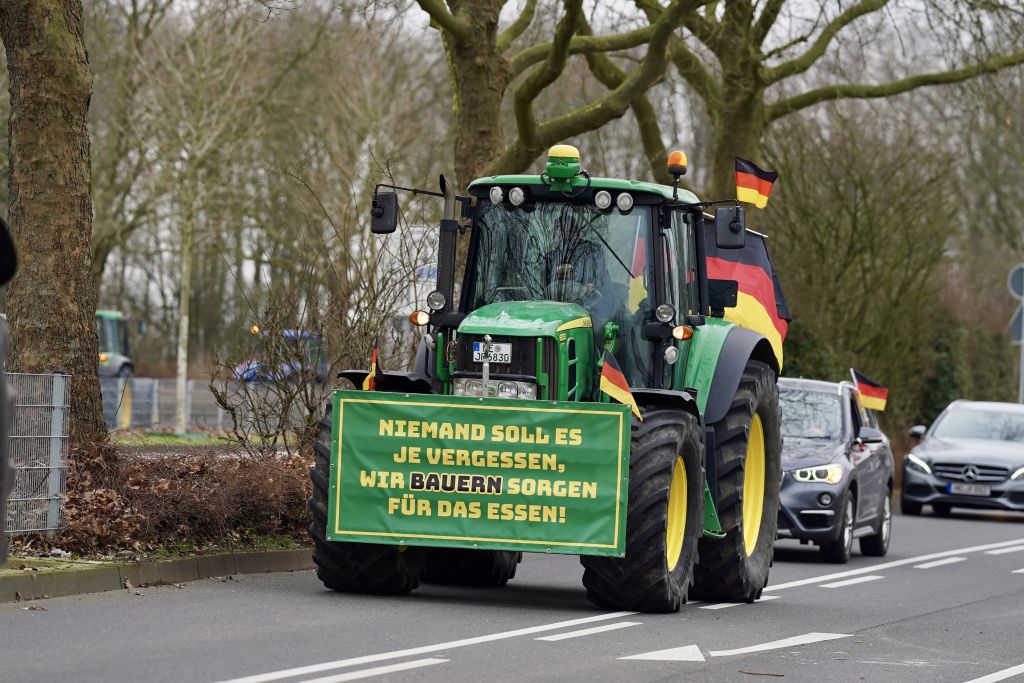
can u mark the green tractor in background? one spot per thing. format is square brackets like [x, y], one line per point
[571, 282]
[115, 367]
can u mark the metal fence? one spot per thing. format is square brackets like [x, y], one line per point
[149, 404]
[39, 451]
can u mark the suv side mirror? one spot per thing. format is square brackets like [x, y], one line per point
[917, 432]
[385, 213]
[870, 435]
[730, 227]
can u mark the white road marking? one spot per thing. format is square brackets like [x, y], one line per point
[589, 631]
[425, 649]
[805, 639]
[894, 563]
[377, 671]
[1003, 551]
[850, 582]
[999, 675]
[939, 563]
[1018, 571]
[687, 653]
[723, 605]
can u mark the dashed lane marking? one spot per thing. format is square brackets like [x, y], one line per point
[723, 605]
[1003, 551]
[939, 563]
[1018, 571]
[895, 563]
[851, 582]
[377, 671]
[999, 675]
[589, 631]
[425, 649]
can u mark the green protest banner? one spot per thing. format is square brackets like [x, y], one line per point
[465, 472]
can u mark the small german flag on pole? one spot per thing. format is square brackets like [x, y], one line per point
[614, 383]
[370, 383]
[872, 394]
[753, 185]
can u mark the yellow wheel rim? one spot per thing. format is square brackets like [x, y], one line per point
[753, 486]
[124, 415]
[676, 515]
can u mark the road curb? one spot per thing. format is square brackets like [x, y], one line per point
[108, 577]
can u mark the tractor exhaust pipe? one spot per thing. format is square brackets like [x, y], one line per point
[446, 247]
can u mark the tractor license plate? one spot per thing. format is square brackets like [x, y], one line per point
[497, 353]
[969, 489]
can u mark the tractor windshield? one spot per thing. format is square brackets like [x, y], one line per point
[573, 253]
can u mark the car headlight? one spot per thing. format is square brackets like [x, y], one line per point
[830, 474]
[916, 463]
[1018, 474]
[501, 388]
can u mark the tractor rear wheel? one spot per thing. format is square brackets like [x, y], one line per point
[465, 567]
[748, 466]
[664, 521]
[353, 567]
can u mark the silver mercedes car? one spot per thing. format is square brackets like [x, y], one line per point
[972, 457]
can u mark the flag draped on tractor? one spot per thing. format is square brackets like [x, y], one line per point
[872, 394]
[753, 184]
[760, 303]
[370, 383]
[614, 383]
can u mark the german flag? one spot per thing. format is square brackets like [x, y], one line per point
[753, 185]
[370, 383]
[760, 303]
[614, 383]
[872, 394]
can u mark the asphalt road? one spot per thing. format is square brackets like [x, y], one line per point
[946, 604]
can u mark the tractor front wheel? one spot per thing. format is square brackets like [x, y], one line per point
[353, 567]
[748, 466]
[664, 521]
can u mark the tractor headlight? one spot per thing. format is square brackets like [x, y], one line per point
[497, 388]
[436, 300]
[625, 202]
[665, 313]
[496, 195]
[516, 196]
[830, 474]
[603, 199]
[916, 463]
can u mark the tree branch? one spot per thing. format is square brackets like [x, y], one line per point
[864, 91]
[768, 17]
[817, 50]
[591, 116]
[517, 27]
[534, 54]
[444, 19]
[695, 73]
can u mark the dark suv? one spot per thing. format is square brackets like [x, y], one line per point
[837, 470]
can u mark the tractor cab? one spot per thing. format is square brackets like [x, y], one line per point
[115, 344]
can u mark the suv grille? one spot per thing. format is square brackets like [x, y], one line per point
[970, 472]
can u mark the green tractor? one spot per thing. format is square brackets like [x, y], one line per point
[506, 439]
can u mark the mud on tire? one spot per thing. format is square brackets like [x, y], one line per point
[466, 567]
[643, 579]
[354, 567]
[726, 571]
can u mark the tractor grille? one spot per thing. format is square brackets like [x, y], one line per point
[970, 472]
[524, 358]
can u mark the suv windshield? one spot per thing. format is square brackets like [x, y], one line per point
[981, 424]
[810, 415]
[575, 253]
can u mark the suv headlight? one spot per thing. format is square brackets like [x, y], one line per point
[830, 474]
[499, 388]
[916, 463]
[1018, 474]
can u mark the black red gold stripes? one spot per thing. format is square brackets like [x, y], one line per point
[753, 184]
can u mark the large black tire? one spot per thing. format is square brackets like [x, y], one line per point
[354, 567]
[656, 573]
[464, 567]
[727, 571]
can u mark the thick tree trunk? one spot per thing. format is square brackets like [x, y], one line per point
[479, 76]
[52, 301]
[738, 128]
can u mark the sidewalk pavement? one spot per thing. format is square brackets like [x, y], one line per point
[32, 578]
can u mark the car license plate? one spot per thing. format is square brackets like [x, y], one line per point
[969, 489]
[497, 353]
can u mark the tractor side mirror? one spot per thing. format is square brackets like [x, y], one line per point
[385, 213]
[730, 227]
[917, 432]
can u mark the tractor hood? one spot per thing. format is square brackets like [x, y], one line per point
[525, 318]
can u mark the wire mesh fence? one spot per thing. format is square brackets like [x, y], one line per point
[144, 403]
[39, 450]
